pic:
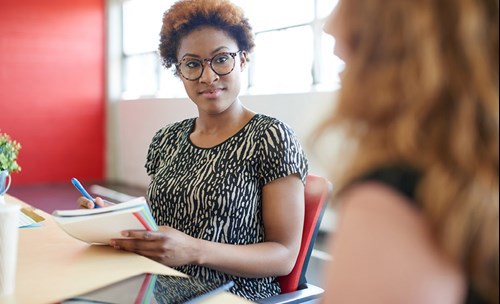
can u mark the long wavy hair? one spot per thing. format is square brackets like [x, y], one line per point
[421, 87]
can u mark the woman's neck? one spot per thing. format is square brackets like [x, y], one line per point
[234, 117]
[211, 130]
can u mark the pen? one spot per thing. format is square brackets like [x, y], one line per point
[82, 190]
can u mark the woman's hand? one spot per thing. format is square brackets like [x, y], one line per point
[167, 246]
[85, 203]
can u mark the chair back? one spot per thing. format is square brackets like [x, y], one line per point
[317, 190]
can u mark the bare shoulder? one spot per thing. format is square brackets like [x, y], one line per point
[382, 207]
[384, 252]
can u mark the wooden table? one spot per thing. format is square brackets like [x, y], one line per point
[52, 266]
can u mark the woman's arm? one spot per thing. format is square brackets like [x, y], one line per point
[283, 215]
[384, 252]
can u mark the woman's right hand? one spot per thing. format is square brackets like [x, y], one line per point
[85, 203]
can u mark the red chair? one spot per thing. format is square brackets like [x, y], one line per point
[294, 286]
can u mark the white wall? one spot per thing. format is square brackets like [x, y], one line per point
[133, 124]
[137, 121]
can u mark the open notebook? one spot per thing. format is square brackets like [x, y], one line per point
[152, 288]
[98, 226]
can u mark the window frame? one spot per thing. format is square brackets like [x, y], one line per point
[117, 58]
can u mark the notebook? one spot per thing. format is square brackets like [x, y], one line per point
[100, 225]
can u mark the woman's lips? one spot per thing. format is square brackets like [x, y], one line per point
[211, 93]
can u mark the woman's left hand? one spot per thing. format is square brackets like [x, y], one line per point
[167, 245]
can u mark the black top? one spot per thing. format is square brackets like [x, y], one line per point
[404, 180]
[215, 193]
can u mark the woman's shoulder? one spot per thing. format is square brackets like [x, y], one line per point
[173, 129]
[378, 224]
[265, 123]
[399, 177]
[172, 132]
[266, 119]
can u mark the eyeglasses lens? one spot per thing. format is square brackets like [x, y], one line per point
[222, 64]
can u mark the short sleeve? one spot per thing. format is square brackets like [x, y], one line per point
[281, 154]
[154, 153]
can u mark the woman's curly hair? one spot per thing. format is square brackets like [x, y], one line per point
[184, 16]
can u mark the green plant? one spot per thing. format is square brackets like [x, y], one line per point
[9, 149]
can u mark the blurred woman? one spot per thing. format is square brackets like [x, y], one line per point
[418, 201]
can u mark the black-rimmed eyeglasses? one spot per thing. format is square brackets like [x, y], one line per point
[192, 68]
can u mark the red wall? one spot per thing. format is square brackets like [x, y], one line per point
[52, 87]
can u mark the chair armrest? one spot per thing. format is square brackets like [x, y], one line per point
[309, 293]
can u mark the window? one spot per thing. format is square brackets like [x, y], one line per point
[292, 53]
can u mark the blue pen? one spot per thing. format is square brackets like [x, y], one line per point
[82, 190]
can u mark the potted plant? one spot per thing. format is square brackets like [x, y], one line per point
[9, 149]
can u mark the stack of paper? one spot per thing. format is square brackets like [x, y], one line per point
[29, 218]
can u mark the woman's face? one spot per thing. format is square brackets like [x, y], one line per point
[213, 94]
[333, 27]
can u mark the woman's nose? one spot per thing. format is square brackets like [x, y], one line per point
[208, 75]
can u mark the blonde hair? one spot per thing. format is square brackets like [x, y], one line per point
[421, 88]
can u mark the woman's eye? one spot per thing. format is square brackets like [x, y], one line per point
[221, 58]
[192, 64]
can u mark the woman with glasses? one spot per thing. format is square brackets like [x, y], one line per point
[227, 186]
[418, 200]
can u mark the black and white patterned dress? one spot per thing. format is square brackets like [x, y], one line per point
[215, 193]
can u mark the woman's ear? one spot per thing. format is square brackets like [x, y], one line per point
[243, 60]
